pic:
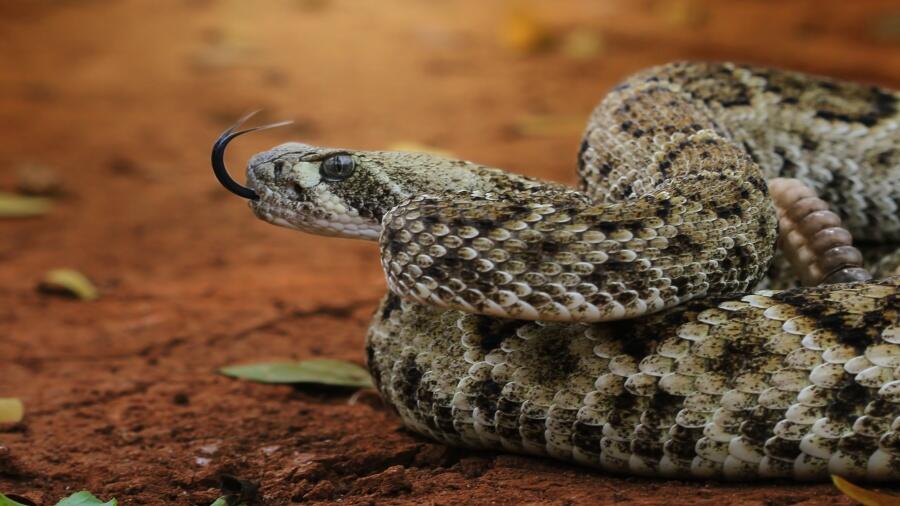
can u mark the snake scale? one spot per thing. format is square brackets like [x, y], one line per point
[616, 325]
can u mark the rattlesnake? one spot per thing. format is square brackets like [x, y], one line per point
[611, 325]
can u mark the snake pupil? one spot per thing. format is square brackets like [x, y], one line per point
[337, 167]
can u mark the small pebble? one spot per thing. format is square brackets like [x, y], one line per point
[38, 180]
[210, 449]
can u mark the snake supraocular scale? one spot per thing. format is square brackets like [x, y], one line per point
[611, 326]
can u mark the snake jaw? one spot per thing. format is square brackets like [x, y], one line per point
[305, 217]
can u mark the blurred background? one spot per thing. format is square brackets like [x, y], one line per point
[109, 108]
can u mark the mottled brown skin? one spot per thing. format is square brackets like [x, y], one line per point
[772, 385]
[653, 366]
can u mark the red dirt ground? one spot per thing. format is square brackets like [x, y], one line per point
[123, 98]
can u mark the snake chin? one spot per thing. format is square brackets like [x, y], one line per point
[307, 217]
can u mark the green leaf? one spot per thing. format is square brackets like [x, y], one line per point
[222, 501]
[11, 411]
[85, 498]
[6, 501]
[318, 371]
[69, 282]
[17, 206]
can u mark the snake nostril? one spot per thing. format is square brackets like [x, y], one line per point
[278, 167]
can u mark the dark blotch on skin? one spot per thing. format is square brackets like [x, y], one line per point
[681, 449]
[412, 376]
[759, 424]
[884, 158]
[738, 101]
[845, 405]
[588, 437]
[882, 105]
[487, 396]
[605, 169]
[729, 210]
[664, 209]
[680, 244]
[370, 363]
[391, 303]
[549, 246]
[581, 150]
[650, 449]
[858, 444]
[443, 419]
[664, 168]
[783, 448]
[494, 330]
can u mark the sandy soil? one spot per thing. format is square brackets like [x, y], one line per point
[123, 98]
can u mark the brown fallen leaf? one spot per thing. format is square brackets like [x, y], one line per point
[70, 283]
[863, 496]
[11, 410]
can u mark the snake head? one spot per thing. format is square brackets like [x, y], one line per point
[325, 191]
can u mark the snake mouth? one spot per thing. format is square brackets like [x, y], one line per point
[281, 207]
[218, 156]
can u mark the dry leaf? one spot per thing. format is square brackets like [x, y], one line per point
[885, 27]
[582, 44]
[523, 31]
[863, 496]
[17, 206]
[415, 147]
[683, 13]
[312, 5]
[11, 410]
[68, 282]
[547, 125]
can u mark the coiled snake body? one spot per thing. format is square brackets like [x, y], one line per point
[611, 326]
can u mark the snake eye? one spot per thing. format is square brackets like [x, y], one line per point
[337, 167]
